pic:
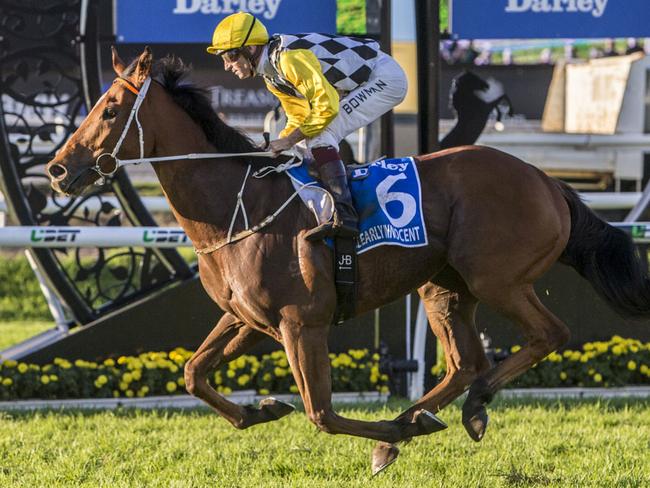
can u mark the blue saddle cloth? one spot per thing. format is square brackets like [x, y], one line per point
[388, 198]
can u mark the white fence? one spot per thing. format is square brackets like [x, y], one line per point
[594, 200]
[15, 236]
[164, 237]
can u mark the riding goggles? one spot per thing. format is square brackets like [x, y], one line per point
[232, 55]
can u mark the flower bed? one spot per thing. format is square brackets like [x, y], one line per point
[617, 362]
[160, 373]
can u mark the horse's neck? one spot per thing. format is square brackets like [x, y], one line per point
[203, 193]
[185, 182]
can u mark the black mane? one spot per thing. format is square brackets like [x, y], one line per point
[171, 72]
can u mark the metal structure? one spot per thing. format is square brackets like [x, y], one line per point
[427, 24]
[49, 76]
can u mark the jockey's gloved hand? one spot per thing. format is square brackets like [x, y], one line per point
[286, 143]
[279, 145]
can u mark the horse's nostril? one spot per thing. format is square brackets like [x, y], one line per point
[57, 171]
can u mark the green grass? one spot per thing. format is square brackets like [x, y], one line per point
[351, 16]
[20, 295]
[527, 444]
[14, 332]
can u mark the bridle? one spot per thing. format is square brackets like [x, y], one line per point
[260, 173]
[140, 94]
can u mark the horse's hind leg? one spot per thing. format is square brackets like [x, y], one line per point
[545, 333]
[227, 341]
[450, 309]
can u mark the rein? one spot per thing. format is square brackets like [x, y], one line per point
[260, 173]
[248, 231]
[140, 95]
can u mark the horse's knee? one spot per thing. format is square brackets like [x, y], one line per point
[192, 377]
[466, 375]
[561, 336]
[323, 420]
[551, 339]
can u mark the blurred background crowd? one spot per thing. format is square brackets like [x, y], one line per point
[480, 53]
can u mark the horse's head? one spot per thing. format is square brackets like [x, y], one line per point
[468, 82]
[90, 152]
[471, 95]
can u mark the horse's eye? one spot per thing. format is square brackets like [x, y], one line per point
[109, 113]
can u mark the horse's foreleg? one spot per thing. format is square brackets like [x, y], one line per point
[307, 353]
[227, 341]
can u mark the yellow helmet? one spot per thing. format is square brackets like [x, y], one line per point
[238, 30]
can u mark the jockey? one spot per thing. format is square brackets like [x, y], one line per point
[329, 86]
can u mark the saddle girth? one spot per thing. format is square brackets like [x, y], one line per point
[345, 278]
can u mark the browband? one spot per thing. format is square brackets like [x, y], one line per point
[128, 85]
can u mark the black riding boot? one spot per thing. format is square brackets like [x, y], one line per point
[346, 221]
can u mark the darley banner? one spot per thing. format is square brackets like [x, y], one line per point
[539, 19]
[192, 21]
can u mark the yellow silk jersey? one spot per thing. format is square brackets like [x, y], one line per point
[307, 71]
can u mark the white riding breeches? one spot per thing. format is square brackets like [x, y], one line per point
[385, 88]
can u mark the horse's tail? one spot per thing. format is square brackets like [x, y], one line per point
[607, 258]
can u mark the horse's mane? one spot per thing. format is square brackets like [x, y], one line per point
[171, 72]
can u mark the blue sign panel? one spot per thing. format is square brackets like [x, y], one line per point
[535, 19]
[178, 21]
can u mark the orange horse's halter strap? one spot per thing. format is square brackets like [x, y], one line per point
[128, 85]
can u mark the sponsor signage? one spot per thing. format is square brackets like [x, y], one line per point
[193, 21]
[93, 237]
[54, 235]
[538, 19]
[164, 236]
[134, 236]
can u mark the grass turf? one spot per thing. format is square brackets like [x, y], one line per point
[528, 443]
[13, 332]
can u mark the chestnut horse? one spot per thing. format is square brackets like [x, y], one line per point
[494, 223]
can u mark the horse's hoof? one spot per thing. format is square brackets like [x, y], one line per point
[428, 423]
[383, 455]
[275, 408]
[476, 424]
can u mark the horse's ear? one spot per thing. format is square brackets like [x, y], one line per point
[118, 64]
[143, 70]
